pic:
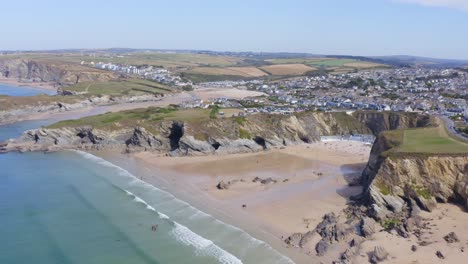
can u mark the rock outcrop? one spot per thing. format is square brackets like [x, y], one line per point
[402, 183]
[181, 138]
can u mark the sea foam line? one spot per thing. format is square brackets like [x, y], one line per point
[123, 172]
[183, 234]
[149, 207]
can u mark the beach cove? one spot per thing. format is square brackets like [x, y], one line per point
[75, 207]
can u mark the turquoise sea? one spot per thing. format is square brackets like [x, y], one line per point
[73, 207]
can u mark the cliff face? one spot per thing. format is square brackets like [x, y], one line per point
[395, 182]
[193, 137]
[50, 71]
[378, 122]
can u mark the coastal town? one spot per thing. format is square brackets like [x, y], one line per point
[442, 92]
[243, 143]
[234, 132]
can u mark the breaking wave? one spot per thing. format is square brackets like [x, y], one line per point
[182, 233]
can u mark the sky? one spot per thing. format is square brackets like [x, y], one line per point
[431, 28]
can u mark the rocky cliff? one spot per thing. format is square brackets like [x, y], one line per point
[396, 183]
[149, 130]
[42, 70]
[198, 136]
[378, 122]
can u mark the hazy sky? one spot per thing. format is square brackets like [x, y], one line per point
[436, 28]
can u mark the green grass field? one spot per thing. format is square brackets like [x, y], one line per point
[430, 140]
[145, 117]
[168, 60]
[123, 87]
[159, 59]
[314, 61]
[16, 102]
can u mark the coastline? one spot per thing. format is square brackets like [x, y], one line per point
[42, 85]
[89, 110]
[273, 211]
[176, 98]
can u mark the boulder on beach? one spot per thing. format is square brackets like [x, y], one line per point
[222, 185]
[294, 240]
[378, 255]
[451, 238]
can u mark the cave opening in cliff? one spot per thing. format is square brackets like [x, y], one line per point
[216, 145]
[260, 141]
[177, 131]
[305, 139]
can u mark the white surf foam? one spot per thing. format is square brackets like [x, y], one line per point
[202, 245]
[135, 180]
[149, 207]
[186, 236]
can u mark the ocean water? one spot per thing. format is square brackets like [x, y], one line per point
[15, 130]
[6, 89]
[73, 207]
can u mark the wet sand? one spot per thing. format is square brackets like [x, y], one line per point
[43, 85]
[311, 180]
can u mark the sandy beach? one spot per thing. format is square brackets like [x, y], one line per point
[231, 93]
[445, 219]
[311, 180]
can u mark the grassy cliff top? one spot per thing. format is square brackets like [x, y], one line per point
[120, 87]
[145, 117]
[17, 102]
[206, 123]
[424, 141]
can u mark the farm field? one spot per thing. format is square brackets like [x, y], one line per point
[287, 69]
[166, 60]
[339, 64]
[170, 60]
[239, 71]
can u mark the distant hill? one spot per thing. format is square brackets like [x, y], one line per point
[396, 61]
[422, 61]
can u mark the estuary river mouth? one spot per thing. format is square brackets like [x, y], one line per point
[12, 90]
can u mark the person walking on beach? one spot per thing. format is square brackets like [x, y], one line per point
[154, 228]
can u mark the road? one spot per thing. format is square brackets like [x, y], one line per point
[450, 125]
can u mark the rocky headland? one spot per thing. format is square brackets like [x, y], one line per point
[194, 133]
[56, 72]
[400, 189]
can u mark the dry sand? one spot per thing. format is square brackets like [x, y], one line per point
[230, 93]
[287, 69]
[311, 181]
[316, 183]
[445, 219]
